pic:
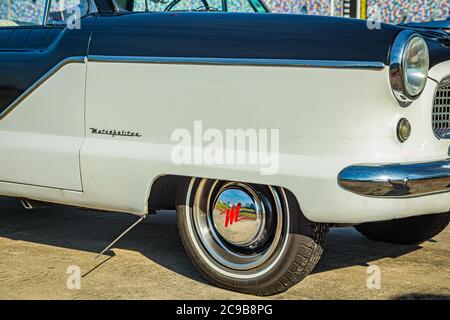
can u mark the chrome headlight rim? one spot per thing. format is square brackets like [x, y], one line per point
[397, 68]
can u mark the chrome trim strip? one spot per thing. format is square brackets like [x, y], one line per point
[39, 82]
[402, 180]
[243, 61]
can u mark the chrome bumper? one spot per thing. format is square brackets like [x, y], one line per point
[397, 180]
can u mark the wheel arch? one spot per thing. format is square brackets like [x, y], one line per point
[161, 194]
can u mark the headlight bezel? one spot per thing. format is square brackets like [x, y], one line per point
[397, 67]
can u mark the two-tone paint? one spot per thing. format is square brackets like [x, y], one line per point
[324, 82]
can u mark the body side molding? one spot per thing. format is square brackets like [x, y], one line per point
[370, 65]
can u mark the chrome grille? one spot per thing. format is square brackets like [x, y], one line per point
[441, 110]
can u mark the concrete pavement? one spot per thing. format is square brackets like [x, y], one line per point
[38, 247]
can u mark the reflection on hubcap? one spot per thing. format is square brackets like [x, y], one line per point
[237, 215]
[238, 225]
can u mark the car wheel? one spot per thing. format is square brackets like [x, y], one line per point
[406, 231]
[248, 238]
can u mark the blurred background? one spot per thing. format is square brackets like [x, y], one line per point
[394, 11]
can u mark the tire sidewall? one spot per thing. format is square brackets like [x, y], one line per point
[285, 254]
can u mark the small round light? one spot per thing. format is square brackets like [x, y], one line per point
[403, 130]
[415, 64]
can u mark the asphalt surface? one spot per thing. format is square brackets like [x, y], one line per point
[38, 247]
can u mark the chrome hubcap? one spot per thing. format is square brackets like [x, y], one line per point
[238, 215]
[238, 225]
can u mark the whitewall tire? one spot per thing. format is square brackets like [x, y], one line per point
[248, 238]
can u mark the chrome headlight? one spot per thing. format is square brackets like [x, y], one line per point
[409, 64]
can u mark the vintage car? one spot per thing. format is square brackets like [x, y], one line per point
[94, 108]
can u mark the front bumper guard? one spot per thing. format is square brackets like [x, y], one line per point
[397, 180]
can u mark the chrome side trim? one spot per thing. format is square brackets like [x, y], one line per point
[371, 65]
[397, 180]
[39, 82]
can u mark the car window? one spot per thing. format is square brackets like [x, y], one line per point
[191, 5]
[197, 5]
[15, 13]
[66, 11]
[139, 5]
[240, 6]
[259, 7]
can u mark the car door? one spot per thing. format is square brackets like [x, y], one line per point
[43, 45]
